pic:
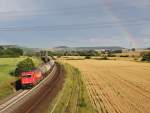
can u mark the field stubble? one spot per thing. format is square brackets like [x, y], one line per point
[117, 86]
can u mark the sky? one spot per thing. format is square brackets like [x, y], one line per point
[75, 23]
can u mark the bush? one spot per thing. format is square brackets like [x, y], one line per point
[25, 65]
[82, 102]
[146, 57]
[116, 51]
[111, 55]
[124, 55]
[87, 57]
[104, 58]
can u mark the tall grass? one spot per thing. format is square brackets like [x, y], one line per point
[73, 98]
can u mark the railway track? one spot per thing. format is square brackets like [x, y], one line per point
[38, 98]
[13, 100]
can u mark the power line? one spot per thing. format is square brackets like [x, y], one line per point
[86, 9]
[77, 26]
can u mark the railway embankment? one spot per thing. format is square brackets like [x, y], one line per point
[38, 98]
[73, 98]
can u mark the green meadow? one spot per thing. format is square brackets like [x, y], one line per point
[6, 66]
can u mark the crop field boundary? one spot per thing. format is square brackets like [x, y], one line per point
[116, 86]
[73, 98]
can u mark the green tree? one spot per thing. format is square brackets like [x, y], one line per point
[25, 65]
[10, 52]
[133, 49]
[87, 57]
[146, 57]
[1, 51]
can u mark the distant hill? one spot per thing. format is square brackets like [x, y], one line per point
[61, 48]
[65, 48]
[9, 46]
[99, 48]
[25, 49]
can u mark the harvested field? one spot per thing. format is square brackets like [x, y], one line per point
[116, 86]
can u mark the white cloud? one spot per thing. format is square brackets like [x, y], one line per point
[146, 39]
[2, 42]
[16, 9]
[106, 41]
[141, 3]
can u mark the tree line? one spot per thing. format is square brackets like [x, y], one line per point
[74, 53]
[10, 52]
[146, 57]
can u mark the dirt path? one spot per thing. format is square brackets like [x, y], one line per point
[117, 86]
[40, 99]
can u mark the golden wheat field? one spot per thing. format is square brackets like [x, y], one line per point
[116, 86]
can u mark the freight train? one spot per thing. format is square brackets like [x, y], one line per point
[31, 78]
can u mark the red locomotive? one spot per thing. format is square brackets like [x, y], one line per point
[32, 78]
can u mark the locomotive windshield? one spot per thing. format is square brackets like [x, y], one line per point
[26, 76]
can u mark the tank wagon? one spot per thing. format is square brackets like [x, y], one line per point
[31, 78]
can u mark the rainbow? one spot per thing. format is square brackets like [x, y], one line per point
[130, 37]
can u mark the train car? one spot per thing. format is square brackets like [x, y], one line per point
[32, 78]
[44, 68]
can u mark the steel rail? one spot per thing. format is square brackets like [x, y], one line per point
[19, 97]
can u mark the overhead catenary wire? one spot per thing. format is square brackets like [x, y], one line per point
[73, 8]
[115, 24]
[76, 10]
[75, 26]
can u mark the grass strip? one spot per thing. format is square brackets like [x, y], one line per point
[73, 98]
